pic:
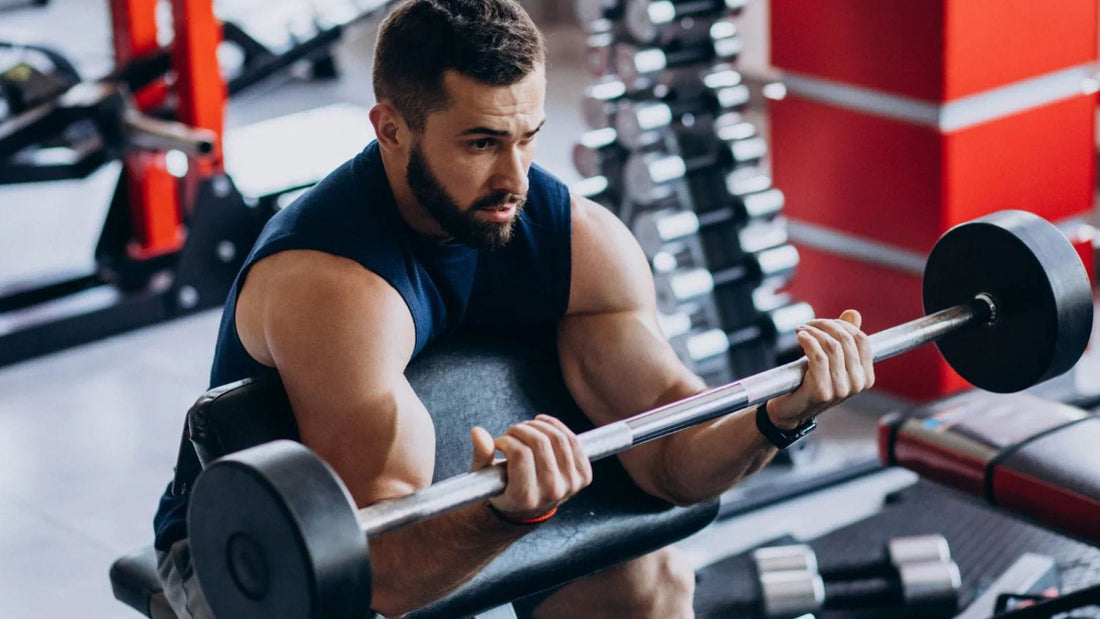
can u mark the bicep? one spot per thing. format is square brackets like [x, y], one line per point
[340, 340]
[611, 346]
[615, 360]
[618, 364]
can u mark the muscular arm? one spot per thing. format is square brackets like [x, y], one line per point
[340, 338]
[616, 363]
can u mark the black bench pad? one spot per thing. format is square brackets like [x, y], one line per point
[134, 582]
[492, 380]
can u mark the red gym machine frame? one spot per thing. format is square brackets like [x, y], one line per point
[155, 195]
[170, 246]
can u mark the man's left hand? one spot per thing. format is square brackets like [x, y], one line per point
[841, 364]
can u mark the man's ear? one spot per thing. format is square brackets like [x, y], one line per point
[389, 128]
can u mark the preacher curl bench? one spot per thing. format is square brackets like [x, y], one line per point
[468, 379]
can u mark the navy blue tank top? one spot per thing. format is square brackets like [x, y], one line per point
[352, 214]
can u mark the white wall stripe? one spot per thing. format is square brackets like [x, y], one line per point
[957, 114]
[841, 244]
[874, 252]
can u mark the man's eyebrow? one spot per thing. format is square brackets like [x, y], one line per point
[498, 133]
[535, 130]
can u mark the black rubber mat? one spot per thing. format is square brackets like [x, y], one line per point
[983, 542]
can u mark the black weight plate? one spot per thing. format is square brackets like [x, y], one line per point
[274, 534]
[1042, 293]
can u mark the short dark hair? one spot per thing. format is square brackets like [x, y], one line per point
[492, 41]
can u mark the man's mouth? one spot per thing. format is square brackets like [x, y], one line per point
[499, 212]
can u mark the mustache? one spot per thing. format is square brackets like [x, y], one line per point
[500, 199]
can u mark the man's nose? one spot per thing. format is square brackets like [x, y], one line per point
[510, 174]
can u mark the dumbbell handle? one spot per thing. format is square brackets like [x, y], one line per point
[698, 53]
[741, 208]
[720, 99]
[619, 436]
[899, 551]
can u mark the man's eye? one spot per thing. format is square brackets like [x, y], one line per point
[482, 144]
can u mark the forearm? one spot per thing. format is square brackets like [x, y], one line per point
[417, 565]
[616, 369]
[702, 462]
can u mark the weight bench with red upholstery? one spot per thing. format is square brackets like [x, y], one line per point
[471, 378]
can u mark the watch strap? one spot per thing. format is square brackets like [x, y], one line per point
[777, 436]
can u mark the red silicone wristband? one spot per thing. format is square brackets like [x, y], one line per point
[537, 519]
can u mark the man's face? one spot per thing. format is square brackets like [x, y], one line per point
[468, 168]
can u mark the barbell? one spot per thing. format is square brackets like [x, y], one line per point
[274, 532]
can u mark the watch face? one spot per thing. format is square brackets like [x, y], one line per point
[778, 437]
[804, 429]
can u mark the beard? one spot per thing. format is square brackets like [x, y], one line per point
[462, 224]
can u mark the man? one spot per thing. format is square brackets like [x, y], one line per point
[442, 222]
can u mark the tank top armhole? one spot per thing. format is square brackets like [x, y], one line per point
[567, 251]
[560, 196]
[287, 243]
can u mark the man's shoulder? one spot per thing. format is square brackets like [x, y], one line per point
[319, 275]
[593, 218]
[610, 272]
[300, 295]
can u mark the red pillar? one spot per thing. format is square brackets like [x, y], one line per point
[905, 118]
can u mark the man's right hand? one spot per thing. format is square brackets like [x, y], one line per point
[546, 466]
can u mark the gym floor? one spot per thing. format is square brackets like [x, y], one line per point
[88, 436]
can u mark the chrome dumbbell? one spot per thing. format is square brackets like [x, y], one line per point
[650, 176]
[656, 228]
[912, 574]
[598, 15]
[599, 54]
[639, 122]
[655, 22]
[683, 285]
[599, 190]
[598, 153]
[636, 64]
[600, 101]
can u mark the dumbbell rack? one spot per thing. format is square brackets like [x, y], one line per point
[624, 36]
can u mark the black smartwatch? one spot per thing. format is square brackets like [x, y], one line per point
[782, 439]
